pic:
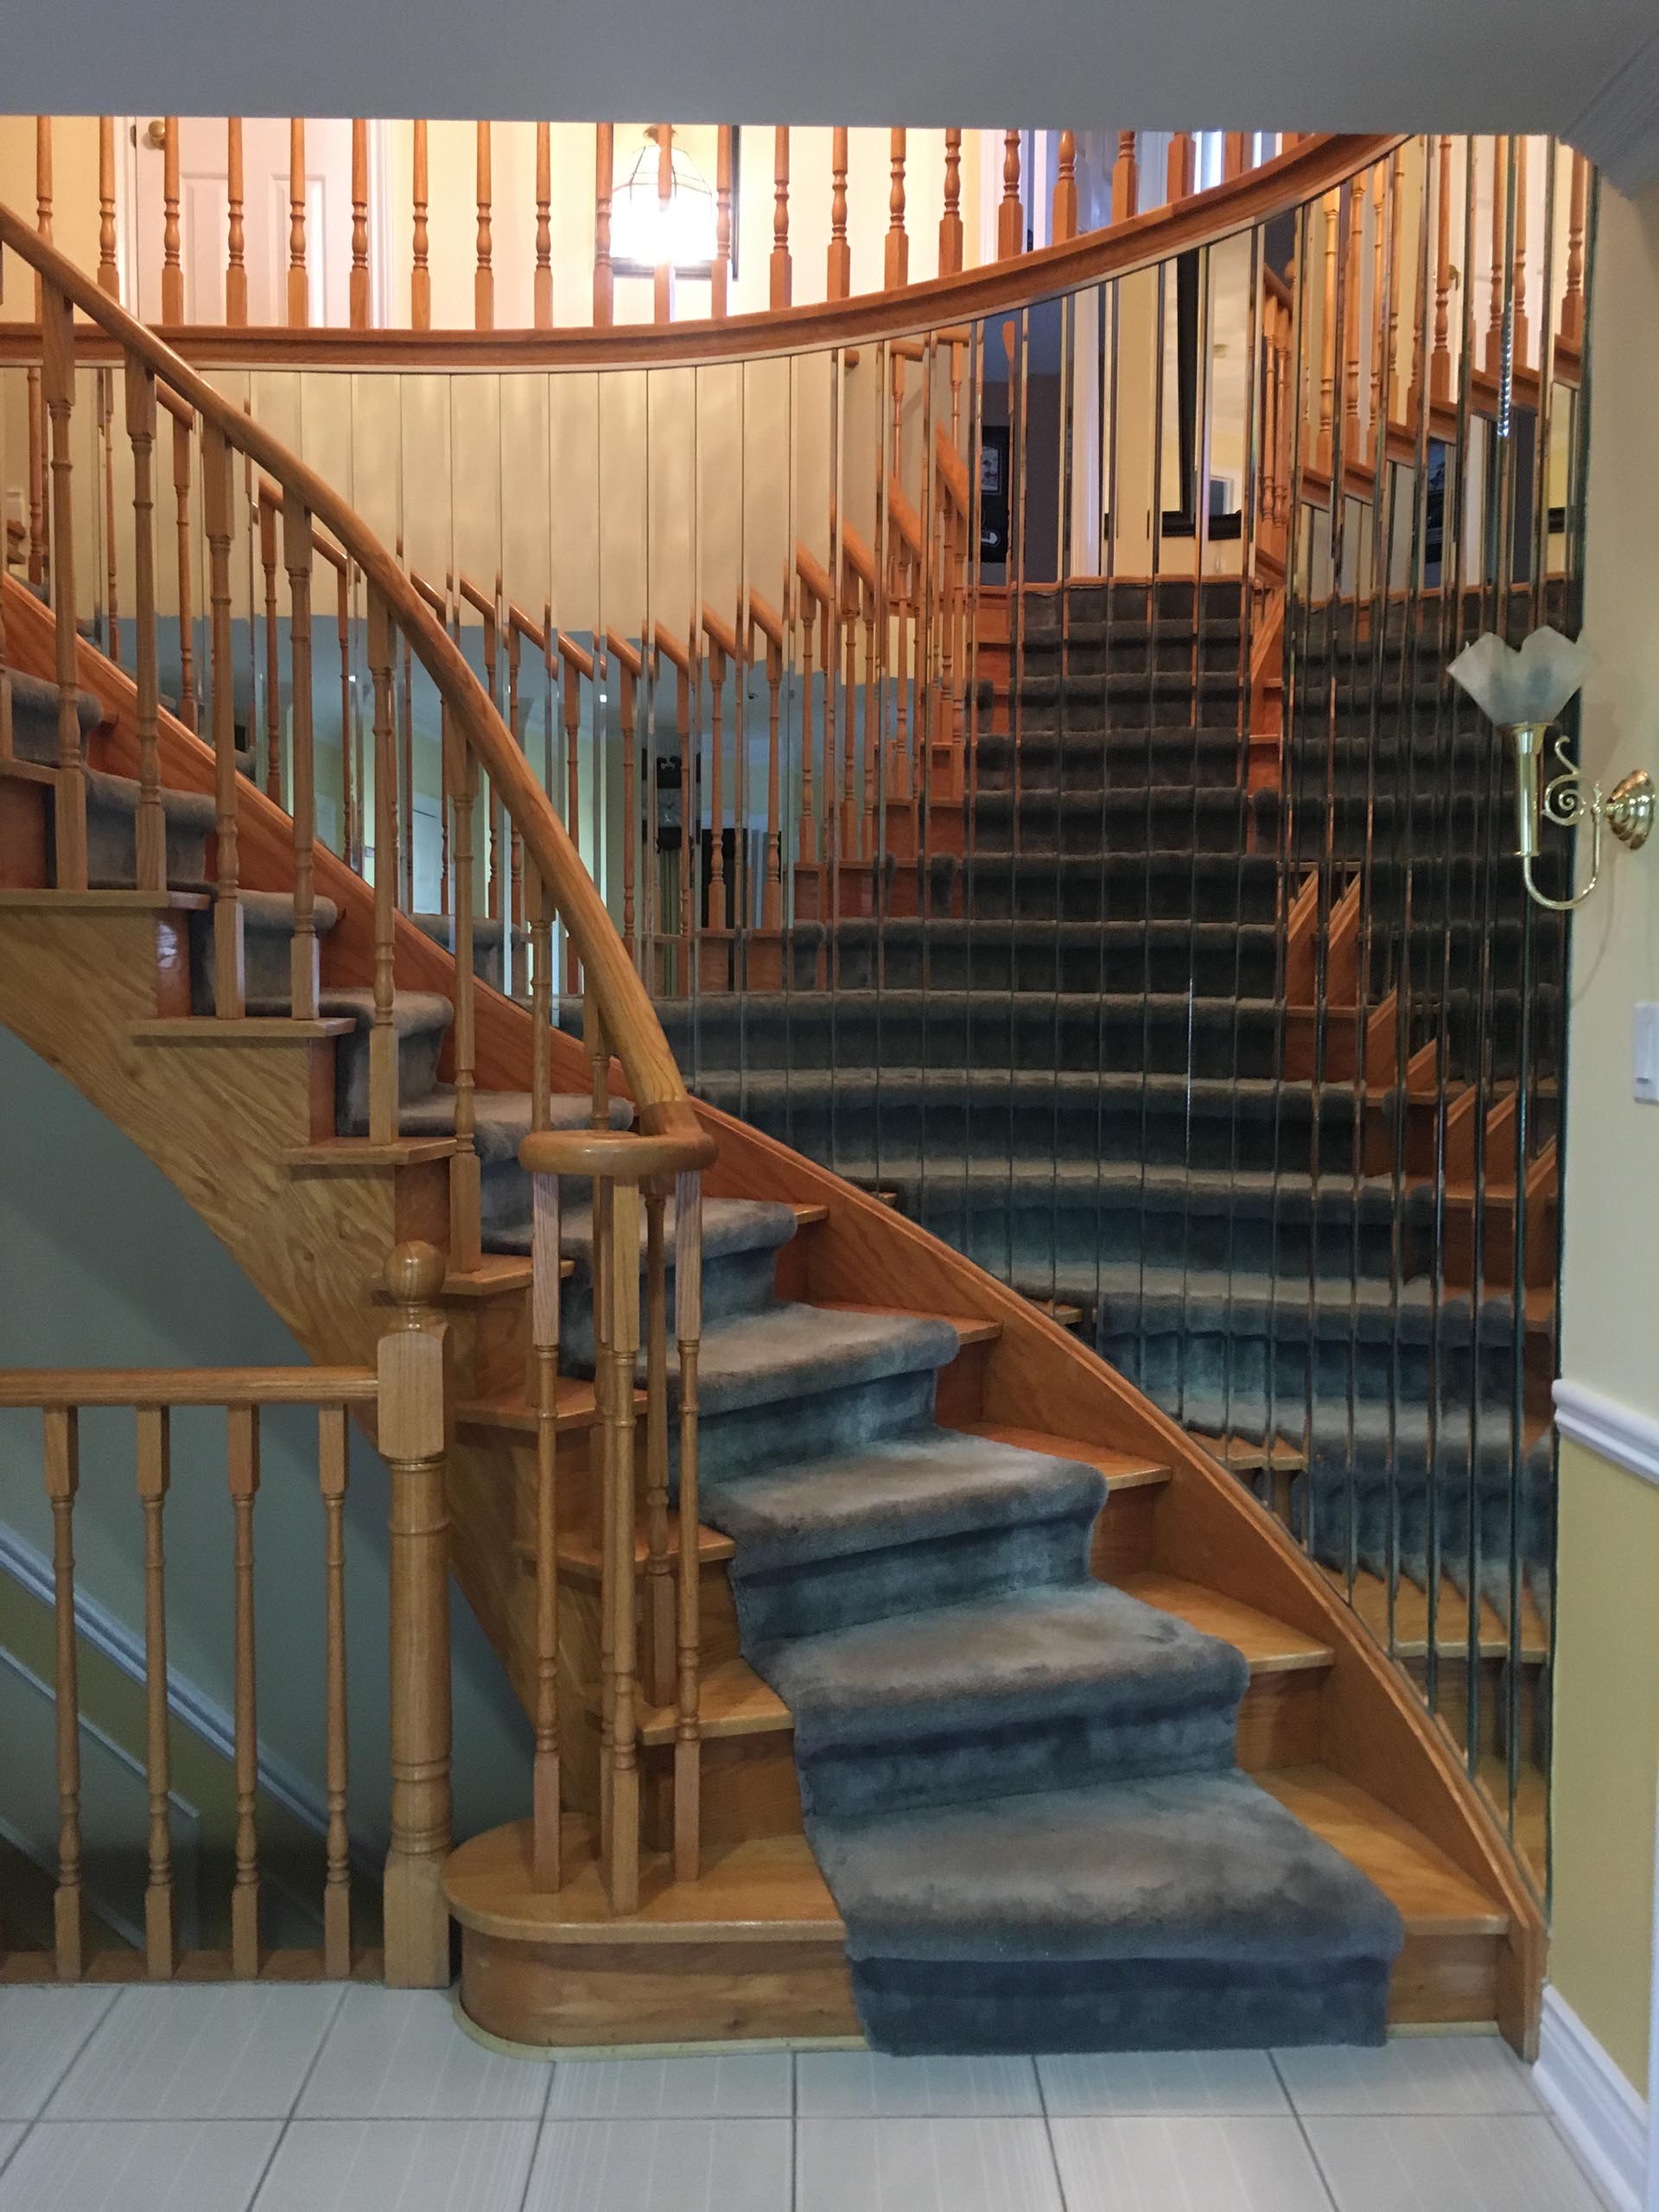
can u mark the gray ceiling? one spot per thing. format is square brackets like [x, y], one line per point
[1588, 69]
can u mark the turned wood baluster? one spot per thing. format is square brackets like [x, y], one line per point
[412, 1430]
[604, 278]
[465, 1230]
[1330, 207]
[350, 724]
[1522, 348]
[838, 271]
[602, 1257]
[1126, 178]
[772, 897]
[358, 295]
[543, 285]
[570, 675]
[303, 953]
[420, 275]
[1500, 203]
[1573, 296]
[545, 1262]
[183, 428]
[337, 1881]
[151, 827]
[37, 433]
[622, 1344]
[951, 220]
[872, 720]
[897, 250]
[781, 277]
[58, 379]
[1181, 169]
[172, 270]
[1396, 217]
[111, 565]
[687, 1329]
[484, 277]
[1379, 316]
[628, 666]
[663, 283]
[847, 827]
[109, 276]
[718, 913]
[514, 946]
[659, 1609]
[1233, 146]
[383, 1036]
[1352, 211]
[236, 272]
[229, 996]
[1440, 372]
[152, 1470]
[538, 913]
[1064, 223]
[62, 1460]
[1010, 215]
[299, 305]
[243, 1438]
[6, 745]
[720, 276]
[270, 562]
[807, 836]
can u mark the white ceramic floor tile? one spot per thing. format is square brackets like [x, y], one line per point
[1409, 2074]
[234, 2052]
[397, 2054]
[662, 2165]
[1117, 2083]
[863, 2084]
[1490, 2165]
[388, 2166]
[1186, 2166]
[41, 2032]
[749, 2085]
[158, 2165]
[924, 2165]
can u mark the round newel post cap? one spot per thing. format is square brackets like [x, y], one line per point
[415, 1273]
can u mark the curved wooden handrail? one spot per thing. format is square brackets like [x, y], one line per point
[1317, 166]
[630, 1021]
[615, 1154]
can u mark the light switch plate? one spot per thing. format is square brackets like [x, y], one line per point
[1645, 1077]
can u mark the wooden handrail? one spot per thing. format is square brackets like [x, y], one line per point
[625, 653]
[617, 1155]
[271, 495]
[186, 1386]
[631, 1022]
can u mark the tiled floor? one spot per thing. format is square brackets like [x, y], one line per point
[313, 2100]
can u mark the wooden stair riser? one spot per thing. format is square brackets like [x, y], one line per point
[25, 832]
[1491, 1706]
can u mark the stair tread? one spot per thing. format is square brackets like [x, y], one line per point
[1270, 1646]
[970, 1328]
[732, 1701]
[1370, 1599]
[1122, 1470]
[242, 1029]
[573, 1406]
[1431, 1895]
[579, 1557]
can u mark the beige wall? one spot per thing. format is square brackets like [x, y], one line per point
[1607, 1672]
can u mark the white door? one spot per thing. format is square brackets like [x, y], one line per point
[204, 217]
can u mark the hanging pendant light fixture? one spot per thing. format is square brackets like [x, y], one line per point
[663, 214]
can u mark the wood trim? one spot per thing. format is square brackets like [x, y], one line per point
[186, 1386]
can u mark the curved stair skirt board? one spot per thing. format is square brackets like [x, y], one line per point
[321, 1305]
[1609, 2127]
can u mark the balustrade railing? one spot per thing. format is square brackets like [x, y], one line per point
[543, 225]
[402, 1400]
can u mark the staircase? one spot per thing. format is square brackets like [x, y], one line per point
[1017, 1721]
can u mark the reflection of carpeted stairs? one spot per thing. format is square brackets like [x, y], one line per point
[1019, 1782]
[1073, 1067]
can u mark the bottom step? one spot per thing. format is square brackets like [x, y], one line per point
[756, 1948]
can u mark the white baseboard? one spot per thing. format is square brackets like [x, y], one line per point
[1594, 2106]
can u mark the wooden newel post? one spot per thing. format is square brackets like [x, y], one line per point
[414, 1420]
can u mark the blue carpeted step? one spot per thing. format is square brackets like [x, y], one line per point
[1178, 1912]
[926, 1519]
[950, 954]
[492, 942]
[420, 1020]
[112, 833]
[267, 942]
[741, 1239]
[1044, 1688]
[34, 718]
[1080, 821]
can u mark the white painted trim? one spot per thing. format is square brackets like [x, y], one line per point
[1601, 2115]
[110, 1637]
[1615, 1432]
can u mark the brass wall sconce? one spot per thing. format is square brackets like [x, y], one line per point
[1523, 693]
